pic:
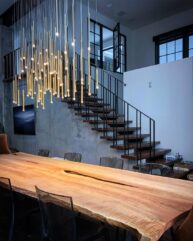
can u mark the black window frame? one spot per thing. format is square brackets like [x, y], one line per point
[176, 34]
[100, 62]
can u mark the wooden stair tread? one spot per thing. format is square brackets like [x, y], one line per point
[118, 129]
[94, 109]
[86, 98]
[122, 137]
[134, 145]
[104, 116]
[109, 122]
[86, 94]
[101, 110]
[146, 154]
[90, 104]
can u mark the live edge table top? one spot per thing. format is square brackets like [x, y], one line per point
[144, 204]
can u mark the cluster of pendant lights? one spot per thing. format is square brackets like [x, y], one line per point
[47, 53]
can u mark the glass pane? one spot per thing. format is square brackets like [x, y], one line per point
[107, 38]
[171, 47]
[191, 42]
[92, 48]
[162, 49]
[162, 60]
[178, 55]
[91, 26]
[122, 49]
[171, 57]
[179, 45]
[97, 29]
[92, 37]
[97, 50]
[122, 59]
[191, 53]
[108, 59]
[97, 39]
[122, 40]
[92, 56]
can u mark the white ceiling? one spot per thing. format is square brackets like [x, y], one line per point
[4, 5]
[137, 13]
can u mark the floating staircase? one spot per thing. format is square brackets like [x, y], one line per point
[127, 129]
[110, 115]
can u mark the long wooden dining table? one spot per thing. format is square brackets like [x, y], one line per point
[146, 205]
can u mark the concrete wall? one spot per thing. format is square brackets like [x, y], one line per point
[165, 92]
[142, 53]
[59, 130]
[5, 47]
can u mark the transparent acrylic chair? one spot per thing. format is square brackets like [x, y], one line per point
[6, 210]
[59, 220]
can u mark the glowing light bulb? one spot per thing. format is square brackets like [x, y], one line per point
[57, 34]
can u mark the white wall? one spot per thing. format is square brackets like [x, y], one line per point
[169, 101]
[142, 53]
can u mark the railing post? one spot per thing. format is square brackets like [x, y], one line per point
[150, 132]
[137, 139]
[140, 136]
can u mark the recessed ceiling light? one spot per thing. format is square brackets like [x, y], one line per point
[109, 5]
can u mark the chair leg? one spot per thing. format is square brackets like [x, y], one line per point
[12, 227]
[117, 234]
[172, 233]
[124, 235]
[107, 235]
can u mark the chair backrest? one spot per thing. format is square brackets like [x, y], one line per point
[113, 162]
[4, 148]
[58, 216]
[6, 209]
[185, 231]
[44, 152]
[73, 156]
[156, 169]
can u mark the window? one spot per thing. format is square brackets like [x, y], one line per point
[190, 52]
[95, 38]
[102, 47]
[171, 51]
[174, 45]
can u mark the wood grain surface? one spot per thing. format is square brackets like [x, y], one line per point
[144, 204]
